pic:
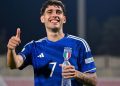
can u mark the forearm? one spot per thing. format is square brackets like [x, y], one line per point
[87, 79]
[10, 59]
[13, 60]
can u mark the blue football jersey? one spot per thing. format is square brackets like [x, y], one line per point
[45, 57]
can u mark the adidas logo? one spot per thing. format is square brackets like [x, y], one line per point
[41, 55]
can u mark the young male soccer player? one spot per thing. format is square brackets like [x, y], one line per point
[46, 54]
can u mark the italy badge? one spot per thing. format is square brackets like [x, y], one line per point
[67, 53]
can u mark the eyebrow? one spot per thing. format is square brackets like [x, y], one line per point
[56, 10]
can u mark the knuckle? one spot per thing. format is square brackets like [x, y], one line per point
[13, 37]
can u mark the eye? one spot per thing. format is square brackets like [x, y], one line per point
[49, 11]
[59, 12]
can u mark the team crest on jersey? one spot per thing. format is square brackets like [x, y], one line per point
[67, 53]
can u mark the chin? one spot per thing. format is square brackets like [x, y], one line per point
[55, 29]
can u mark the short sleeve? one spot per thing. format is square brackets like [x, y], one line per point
[26, 54]
[87, 63]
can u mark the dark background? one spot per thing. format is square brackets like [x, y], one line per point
[103, 26]
[102, 23]
[26, 15]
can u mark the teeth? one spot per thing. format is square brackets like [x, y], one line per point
[54, 21]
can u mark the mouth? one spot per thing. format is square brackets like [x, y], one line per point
[55, 20]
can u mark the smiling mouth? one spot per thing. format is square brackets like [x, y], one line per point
[54, 21]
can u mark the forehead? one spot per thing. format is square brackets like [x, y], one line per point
[51, 7]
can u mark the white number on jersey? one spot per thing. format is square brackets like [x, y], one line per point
[53, 68]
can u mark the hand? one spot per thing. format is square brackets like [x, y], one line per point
[14, 41]
[69, 71]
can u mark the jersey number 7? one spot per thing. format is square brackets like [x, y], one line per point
[53, 68]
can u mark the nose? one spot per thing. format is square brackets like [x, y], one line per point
[54, 14]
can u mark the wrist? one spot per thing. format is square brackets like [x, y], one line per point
[79, 75]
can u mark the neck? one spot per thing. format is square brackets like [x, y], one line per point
[55, 36]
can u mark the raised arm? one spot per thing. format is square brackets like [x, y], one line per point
[13, 60]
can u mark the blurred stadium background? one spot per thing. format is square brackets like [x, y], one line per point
[97, 21]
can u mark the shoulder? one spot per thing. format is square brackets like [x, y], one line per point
[80, 41]
[35, 42]
[29, 43]
[41, 40]
[75, 38]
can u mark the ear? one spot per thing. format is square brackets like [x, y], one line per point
[64, 19]
[42, 19]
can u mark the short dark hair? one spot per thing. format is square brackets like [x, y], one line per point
[52, 2]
